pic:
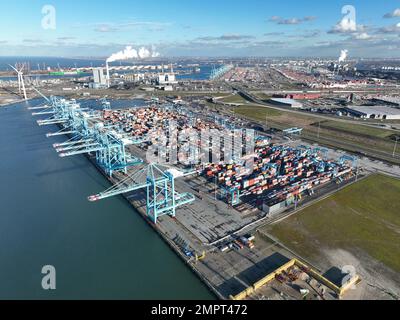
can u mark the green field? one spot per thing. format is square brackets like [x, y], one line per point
[348, 136]
[188, 94]
[364, 216]
[262, 95]
[356, 129]
[256, 112]
[233, 99]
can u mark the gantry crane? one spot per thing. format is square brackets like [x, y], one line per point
[89, 135]
[216, 73]
[349, 159]
[109, 147]
[294, 131]
[322, 151]
[159, 185]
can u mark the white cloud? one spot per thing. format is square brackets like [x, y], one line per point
[65, 38]
[393, 29]
[394, 14]
[362, 36]
[116, 27]
[225, 38]
[105, 28]
[275, 18]
[32, 40]
[291, 21]
[345, 26]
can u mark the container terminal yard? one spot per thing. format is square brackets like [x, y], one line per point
[193, 157]
[216, 215]
[209, 213]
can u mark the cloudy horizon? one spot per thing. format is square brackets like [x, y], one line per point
[227, 28]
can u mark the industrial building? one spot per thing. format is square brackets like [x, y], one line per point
[287, 102]
[298, 96]
[275, 206]
[99, 79]
[374, 112]
[393, 101]
[166, 78]
[134, 77]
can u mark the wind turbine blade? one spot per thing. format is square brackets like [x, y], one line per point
[23, 88]
[14, 68]
[47, 99]
[19, 83]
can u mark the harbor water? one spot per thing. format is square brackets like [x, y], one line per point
[101, 250]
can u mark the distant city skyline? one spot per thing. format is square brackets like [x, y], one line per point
[202, 28]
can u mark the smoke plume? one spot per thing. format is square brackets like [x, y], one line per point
[130, 53]
[343, 55]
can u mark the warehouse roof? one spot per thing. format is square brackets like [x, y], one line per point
[376, 110]
[286, 101]
[394, 100]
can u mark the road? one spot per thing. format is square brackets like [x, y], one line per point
[379, 154]
[251, 98]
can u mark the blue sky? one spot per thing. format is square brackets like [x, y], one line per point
[202, 28]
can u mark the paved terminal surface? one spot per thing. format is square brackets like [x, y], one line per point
[207, 220]
[204, 225]
[210, 219]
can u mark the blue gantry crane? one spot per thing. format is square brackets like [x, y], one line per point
[303, 151]
[348, 159]
[294, 131]
[105, 104]
[88, 135]
[109, 147]
[225, 123]
[218, 72]
[159, 185]
[323, 152]
[232, 195]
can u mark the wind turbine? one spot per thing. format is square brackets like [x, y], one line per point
[21, 84]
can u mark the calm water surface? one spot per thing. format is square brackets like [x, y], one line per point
[100, 250]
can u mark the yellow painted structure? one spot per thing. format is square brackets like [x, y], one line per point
[201, 257]
[311, 272]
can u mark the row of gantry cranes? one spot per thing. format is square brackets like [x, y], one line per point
[107, 145]
[89, 135]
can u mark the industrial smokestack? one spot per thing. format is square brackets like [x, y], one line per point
[130, 53]
[108, 74]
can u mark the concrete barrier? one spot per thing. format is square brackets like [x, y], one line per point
[310, 271]
[272, 275]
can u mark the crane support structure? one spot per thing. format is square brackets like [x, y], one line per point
[90, 135]
[159, 186]
[322, 151]
[293, 131]
[349, 159]
[218, 72]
